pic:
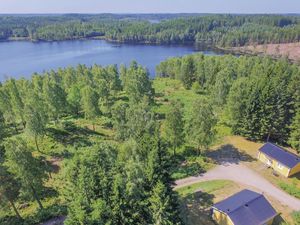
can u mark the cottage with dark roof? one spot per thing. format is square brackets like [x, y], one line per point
[244, 208]
[281, 160]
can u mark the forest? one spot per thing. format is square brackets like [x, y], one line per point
[215, 30]
[100, 145]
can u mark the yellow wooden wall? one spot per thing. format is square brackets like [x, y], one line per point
[285, 171]
[295, 170]
[221, 218]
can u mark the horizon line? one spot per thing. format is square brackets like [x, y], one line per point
[153, 13]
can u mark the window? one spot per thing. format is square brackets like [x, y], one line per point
[280, 166]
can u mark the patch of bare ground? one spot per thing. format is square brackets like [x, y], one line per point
[288, 50]
[55, 221]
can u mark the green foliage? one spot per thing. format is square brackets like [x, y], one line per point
[137, 84]
[74, 98]
[174, 125]
[220, 30]
[292, 189]
[256, 97]
[187, 72]
[296, 217]
[29, 170]
[294, 139]
[162, 211]
[111, 187]
[16, 102]
[89, 102]
[200, 126]
[9, 189]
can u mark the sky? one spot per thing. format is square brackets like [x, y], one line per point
[149, 6]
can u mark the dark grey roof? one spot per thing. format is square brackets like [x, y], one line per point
[286, 158]
[247, 208]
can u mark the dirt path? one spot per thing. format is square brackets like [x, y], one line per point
[243, 175]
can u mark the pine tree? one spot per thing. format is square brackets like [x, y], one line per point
[9, 189]
[29, 170]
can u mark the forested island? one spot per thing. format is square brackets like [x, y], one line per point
[103, 145]
[216, 30]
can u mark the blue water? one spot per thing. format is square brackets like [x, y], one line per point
[22, 58]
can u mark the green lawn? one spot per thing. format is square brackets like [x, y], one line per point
[208, 186]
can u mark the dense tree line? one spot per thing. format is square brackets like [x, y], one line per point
[124, 183]
[221, 30]
[127, 180]
[258, 96]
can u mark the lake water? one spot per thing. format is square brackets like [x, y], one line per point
[22, 58]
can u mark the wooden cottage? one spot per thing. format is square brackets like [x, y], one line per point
[244, 208]
[281, 160]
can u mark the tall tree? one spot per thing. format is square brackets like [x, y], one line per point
[138, 84]
[16, 100]
[161, 208]
[89, 102]
[294, 139]
[187, 71]
[21, 163]
[54, 96]
[9, 189]
[200, 126]
[35, 123]
[174, 125]
[74, 98]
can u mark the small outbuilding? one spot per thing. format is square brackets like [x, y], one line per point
[281, 160]
[244, 208]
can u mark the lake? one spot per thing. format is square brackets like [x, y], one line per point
[23, 58]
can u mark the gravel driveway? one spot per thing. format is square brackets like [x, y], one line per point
[243, 175]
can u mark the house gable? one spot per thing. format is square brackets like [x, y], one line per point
[246, 208]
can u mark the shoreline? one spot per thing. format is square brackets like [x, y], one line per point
[249, 50]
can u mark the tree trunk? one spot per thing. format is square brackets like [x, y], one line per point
[24, 123]
[36, 143]
[269, 134]
[15, 209]
[36, 197]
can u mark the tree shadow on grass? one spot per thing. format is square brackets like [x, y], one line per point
[228, 154]
[48, 192]
[195, 208]
[72, 135]
[188, 163]
[36, 217]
